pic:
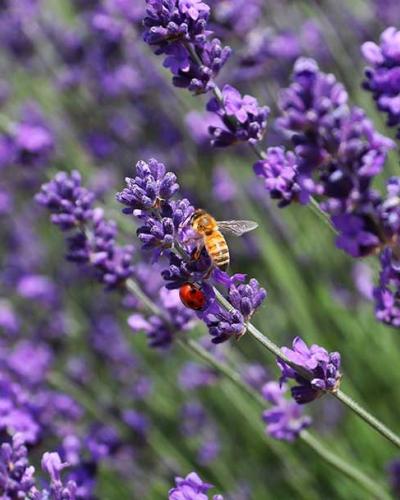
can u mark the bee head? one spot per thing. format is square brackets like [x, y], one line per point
[202, 222]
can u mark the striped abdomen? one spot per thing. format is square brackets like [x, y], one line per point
[217, 249]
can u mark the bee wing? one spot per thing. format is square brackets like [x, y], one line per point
[236, 227]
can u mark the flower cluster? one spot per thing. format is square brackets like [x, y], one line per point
[29, 141]
[178, 30]
[337, 154]
[17, 477]
[93, 240]
[322, 366]
[191, 487]
[241, 116]
[383, 74]
[284, 420]
[387, 294]
[165, 230]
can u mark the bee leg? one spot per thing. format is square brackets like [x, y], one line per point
[197, 251]
[208, 274]
[240, 335]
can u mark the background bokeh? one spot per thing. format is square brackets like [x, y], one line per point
[80, 90]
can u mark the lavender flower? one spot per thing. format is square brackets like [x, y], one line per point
[191, 487]
[52, 464]
[94, 239]
[383, 74]
[151, 185]
[178, 29]
[16, 475]
[387, 295]
[71, 203]
[284, 420]
[279, 170]
[322, 366]
[243, 118]
[246, 298]
[393, 470]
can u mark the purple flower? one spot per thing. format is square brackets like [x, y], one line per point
[279, 170]
[151, 185]
[394, 476]
[353, 236]
[224, 187]
[37, 287]
[322, 366]
[194, 8]
[194, 375]
[389, 210]
[94, 239]
[246, 298]
[30, 361]
[383, 74]
[67, 199]
[243, 118]
[222, 324]
[284, 420]
[178, 29]
[52, 464]
[386, 295]
[191, 488]
[254, 374]
[16, 475]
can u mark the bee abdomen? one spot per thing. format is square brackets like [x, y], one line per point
[218, 250]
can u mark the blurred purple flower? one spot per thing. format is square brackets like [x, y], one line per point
[16, 475]
[285, 420]
[383, 74]
[279, 169]
[191, 487]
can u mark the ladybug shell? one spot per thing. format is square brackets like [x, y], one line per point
[192, 297]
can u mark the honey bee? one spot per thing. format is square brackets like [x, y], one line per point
[213, 240]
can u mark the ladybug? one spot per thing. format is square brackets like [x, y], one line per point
[192, 296]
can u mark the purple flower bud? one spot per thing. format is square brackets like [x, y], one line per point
[322, 366]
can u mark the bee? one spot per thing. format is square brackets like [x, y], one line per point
[214, 241]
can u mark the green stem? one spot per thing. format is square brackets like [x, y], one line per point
[367, 417]
[347, 469]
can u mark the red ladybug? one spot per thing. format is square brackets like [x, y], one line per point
[192, 296]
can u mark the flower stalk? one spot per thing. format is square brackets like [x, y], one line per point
[193, 347]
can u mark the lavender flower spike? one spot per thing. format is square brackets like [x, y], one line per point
[323, 366]
[191, 488]
[52, 464]
[151, 184]
[16, 475]
[383, 74]
[70, 202]
[178, 29]
[284, 420]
